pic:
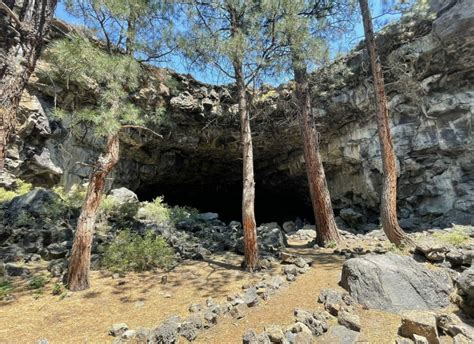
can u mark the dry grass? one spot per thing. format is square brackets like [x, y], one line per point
[85, 317]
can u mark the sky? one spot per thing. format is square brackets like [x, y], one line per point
[341, 45]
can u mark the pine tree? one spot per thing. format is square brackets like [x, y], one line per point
[24, 25]
[388, 205]
[112, 77]
[140, 28]
[226, 35]
[300, 25]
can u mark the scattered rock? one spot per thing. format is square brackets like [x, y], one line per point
[237, 312]
[250, 297]
[349, 320]
[421, 324]
[16, 270]
[317, 325]
[188, 330]
[465, 284]
[394, 283]
[167, 332]
[129, 334]
[274, 333]
[343, 335]
[118, 329]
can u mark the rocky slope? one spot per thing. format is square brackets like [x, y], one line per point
[429, 76]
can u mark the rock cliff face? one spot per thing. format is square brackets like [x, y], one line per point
[429, 75]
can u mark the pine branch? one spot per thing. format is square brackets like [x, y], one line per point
[10, 13]
[141, 128]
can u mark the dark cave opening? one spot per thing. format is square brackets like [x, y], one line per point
[272, 203]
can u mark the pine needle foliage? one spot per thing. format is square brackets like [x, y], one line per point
[111, 78]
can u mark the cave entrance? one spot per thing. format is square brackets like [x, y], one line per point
[272, 203]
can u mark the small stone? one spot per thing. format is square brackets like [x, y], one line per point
[300, 262]
[420, 339]
[129, 334]
[421, 324]
[274, 333]
[211, 318]
[16, 270]
[189, 331]
[237, 312]
[250, 337]
[290, 270]
[250, 297]
[349, 320]
[195, 307]
[290, 278]
[118, 329]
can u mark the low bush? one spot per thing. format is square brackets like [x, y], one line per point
[37, 282]
[21, 189]
[456, 237]
[122, 215]
[157, 211]
[179, 214]
[57, 289]
[132, 252]
[5, 288]
[73, 198]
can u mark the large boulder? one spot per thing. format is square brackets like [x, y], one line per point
[394, 283]
[123, 195]
[35, 202]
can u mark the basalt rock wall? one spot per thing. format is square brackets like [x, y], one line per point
[429, 72]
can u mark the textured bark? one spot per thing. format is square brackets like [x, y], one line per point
[23, 27]
[79, 263]
[321, 200]
[248, 192]
[388, 205]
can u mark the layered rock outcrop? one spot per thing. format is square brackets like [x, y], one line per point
[429, 75]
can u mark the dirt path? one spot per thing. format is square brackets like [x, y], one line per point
[140, 300]
[377, 327]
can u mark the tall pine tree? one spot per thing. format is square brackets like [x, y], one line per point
[226, 36]
[112, 77]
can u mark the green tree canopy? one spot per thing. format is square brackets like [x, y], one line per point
[110, 77]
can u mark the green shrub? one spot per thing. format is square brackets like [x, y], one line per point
[132, 252]
[57, 289]
[179, 214]
[37, 282]
[456, 237]
[5, 288]
[174, 85]
[21, 189]
[156, 211]
[23, 219]
[73, 198]
[121, 214]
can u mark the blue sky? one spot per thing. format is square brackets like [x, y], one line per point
[341, 45]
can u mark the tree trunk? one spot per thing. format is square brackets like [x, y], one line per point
[388, 205]
[248, 192]
[79, 263]
[325, 223]
[23, 24]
